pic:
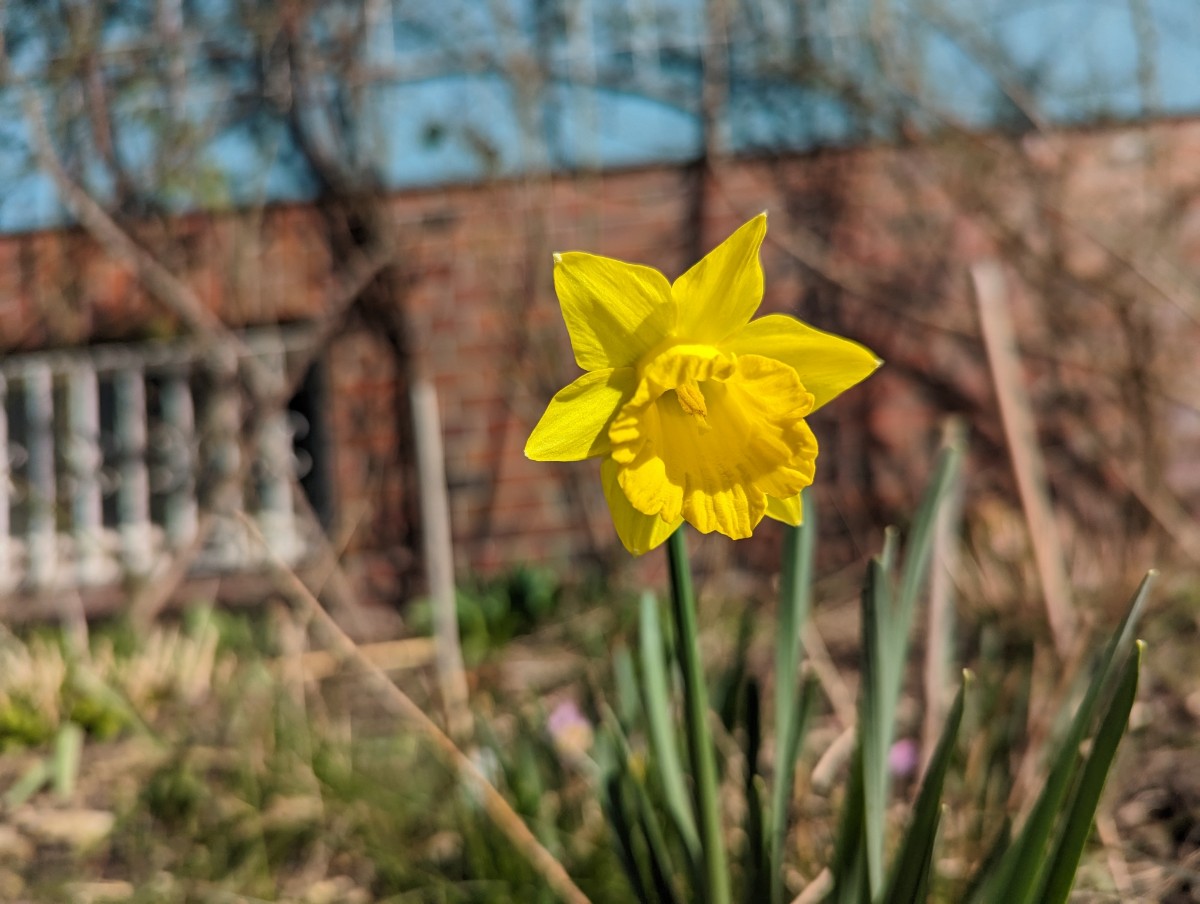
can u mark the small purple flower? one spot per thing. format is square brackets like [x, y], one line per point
[569, 730]
[904, 758]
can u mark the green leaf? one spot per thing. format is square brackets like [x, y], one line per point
[726, 699]
[662, 870]
[920, 541]
[657, 701]
[68, 748]
[848, 851]
[794, 604]
[621, 823]
[1018, 874]
[700, 743]
[875, 722]
[32, 781]
[629, 702]
[639, 815]
[911, 871]
[1082, 810]
[757, 861]
[983, 875]
[785, 775]
[886, 625]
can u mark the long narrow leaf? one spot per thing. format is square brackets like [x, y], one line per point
[700, 742]
[982, 876]
[628, 696]
[785, 776]
[910, 873]
[920, 540]
[875, 726]
[621, 822]
[886, 626]
[848, 849]
[757, 862]
[913, 572]
[68, 749]
[1019, 871]
[1082, 810]
[662, 871]
[32, 781]
[641, 813]
[795, 601]
[657, 701]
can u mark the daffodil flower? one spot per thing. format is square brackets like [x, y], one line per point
[696, 411]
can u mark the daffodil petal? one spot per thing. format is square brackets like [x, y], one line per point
[827, 365]
[789, 510]
[614, 311]
[720, 294]
[733, 511]
[639, 533]
[575, 423]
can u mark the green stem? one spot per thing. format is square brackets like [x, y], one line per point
[700, 745]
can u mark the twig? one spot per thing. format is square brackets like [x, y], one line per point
[389, 655]
[499, 809]
[817, 889]
[173, 568]
[827, 674]
[162, 284]
[832, 759]
[1163, 508]
[350, 284]
[1021, 433]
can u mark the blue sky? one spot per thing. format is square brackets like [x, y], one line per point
[979, 63]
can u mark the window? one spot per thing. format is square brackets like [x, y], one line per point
[108, 455]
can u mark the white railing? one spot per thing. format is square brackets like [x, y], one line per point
[105, 452]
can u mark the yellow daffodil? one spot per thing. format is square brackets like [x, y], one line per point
[696, 411]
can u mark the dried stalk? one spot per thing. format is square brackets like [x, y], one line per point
[499, 809]
[1016, 413]
[939, 642]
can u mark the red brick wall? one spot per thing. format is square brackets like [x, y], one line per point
[485, 327]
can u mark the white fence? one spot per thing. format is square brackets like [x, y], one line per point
[108, 453]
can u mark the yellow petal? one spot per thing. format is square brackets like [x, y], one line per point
[719, 294]
[789, 510]
[614, 311]
[827, 365]
[575, 424]
[639, 533]
[715, 470]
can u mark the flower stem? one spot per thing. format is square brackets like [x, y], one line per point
[700, 745]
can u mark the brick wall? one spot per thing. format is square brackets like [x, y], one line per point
[873, 243]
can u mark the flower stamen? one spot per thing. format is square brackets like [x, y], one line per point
[691, 400]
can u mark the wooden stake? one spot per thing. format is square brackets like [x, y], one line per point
[1020, 431]
[439, 558]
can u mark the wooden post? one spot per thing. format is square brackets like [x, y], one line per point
[42, 531]
[439, 557]
[133, 490]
